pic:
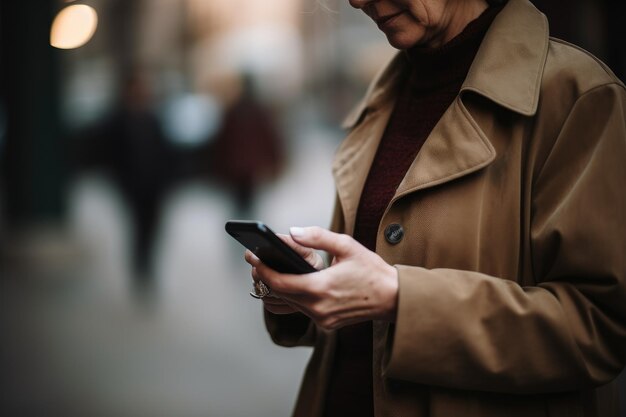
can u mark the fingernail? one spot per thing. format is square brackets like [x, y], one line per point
[296, 231]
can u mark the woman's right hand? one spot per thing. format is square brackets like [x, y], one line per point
[275, 304]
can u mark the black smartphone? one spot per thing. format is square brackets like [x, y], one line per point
[268, 247]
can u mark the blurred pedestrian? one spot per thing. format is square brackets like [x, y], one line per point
[128, 144]
[248, 148]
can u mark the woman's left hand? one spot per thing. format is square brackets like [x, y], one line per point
[358, 286]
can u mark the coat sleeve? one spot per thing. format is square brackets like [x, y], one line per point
[471, 331]
[290, 330]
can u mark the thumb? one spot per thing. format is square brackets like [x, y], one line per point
[319, 238]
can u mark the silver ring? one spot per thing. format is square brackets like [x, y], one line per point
[260, 290]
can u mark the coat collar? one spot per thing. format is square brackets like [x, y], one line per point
[507, 70]
[509, 64]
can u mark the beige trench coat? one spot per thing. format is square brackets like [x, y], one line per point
[512, 269]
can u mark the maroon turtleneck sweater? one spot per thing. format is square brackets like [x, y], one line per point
[434, 80]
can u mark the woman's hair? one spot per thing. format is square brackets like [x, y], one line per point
[324, 4]
[496, 2]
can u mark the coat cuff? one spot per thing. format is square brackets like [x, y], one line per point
[290, 329]
[418, 306]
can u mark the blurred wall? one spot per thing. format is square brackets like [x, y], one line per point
[32, 166]
[596, 25]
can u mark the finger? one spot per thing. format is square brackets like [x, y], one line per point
[283, 283]
[323, 239]
[255, 274]
[279, 309]
[279, 304]
[251, 258]
[312, 257]
[300, 250]
[274, 301]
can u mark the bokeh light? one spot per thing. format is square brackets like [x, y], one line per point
[73, 27]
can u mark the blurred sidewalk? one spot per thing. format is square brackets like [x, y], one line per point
[78, 342]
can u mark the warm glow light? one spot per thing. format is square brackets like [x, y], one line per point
[73, 27]
[229, 15]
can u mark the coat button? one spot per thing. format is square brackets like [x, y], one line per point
[394, 233]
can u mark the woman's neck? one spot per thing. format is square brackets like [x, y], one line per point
[459, 14]
[432, 68]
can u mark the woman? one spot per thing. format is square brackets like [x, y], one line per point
[478, 245]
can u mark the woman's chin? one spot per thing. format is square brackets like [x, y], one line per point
[400, 44]
[401, 41]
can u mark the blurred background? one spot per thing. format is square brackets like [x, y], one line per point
[130, 131]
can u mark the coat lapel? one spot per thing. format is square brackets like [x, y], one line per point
[367, 123]
[354, 159]
[456, 147]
